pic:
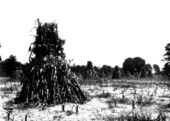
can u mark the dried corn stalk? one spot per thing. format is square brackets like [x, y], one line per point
[49, 80]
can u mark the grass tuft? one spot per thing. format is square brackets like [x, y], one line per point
[104, 95]
[139, 116]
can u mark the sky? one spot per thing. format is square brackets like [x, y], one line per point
[102, 31]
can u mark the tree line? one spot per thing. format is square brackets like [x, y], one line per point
[131, 67]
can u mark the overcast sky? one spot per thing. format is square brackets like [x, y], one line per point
[103, 31]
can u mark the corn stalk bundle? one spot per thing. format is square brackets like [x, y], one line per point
[49, 79]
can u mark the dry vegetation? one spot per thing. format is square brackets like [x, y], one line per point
[121, 99]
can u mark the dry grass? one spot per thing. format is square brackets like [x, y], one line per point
[104, 95]
[111, 101]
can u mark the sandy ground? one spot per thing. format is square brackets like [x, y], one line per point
[98, 108]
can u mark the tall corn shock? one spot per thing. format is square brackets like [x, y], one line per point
[49, 80]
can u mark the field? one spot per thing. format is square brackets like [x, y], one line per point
[108, 100]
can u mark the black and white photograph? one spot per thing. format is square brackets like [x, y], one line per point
[84, 60]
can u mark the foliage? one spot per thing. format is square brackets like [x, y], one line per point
[77, 69]
[139, 63]
[128, 74]
[47, 78]
[90, 72]
[167, 58]
[146, 71]
[157, 69]
[87, 72]
[128, 66]
[106, 71]
[116, 73]
[2, 69]
[166, 69]
[10, 65]
[0, 56]
[167, 54]
[133, 66]
[149, 70]
[143, 72]
[89, 65]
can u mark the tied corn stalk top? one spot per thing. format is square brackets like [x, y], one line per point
[47, 44]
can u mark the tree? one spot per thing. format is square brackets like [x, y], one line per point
[11, 65]
[90, 72]
[143, 72]
[116, 73]
[96, 68]
[128, 66]
[149, 70]
[166, 69]
[128, 74]
[77, 69]
[167, 54]
[156, 69]
[106, 71]
[49, 79]
[0, 56]
[89, 65]
[133, 66]
[167, 58]
[139, 63]
[146, 71]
